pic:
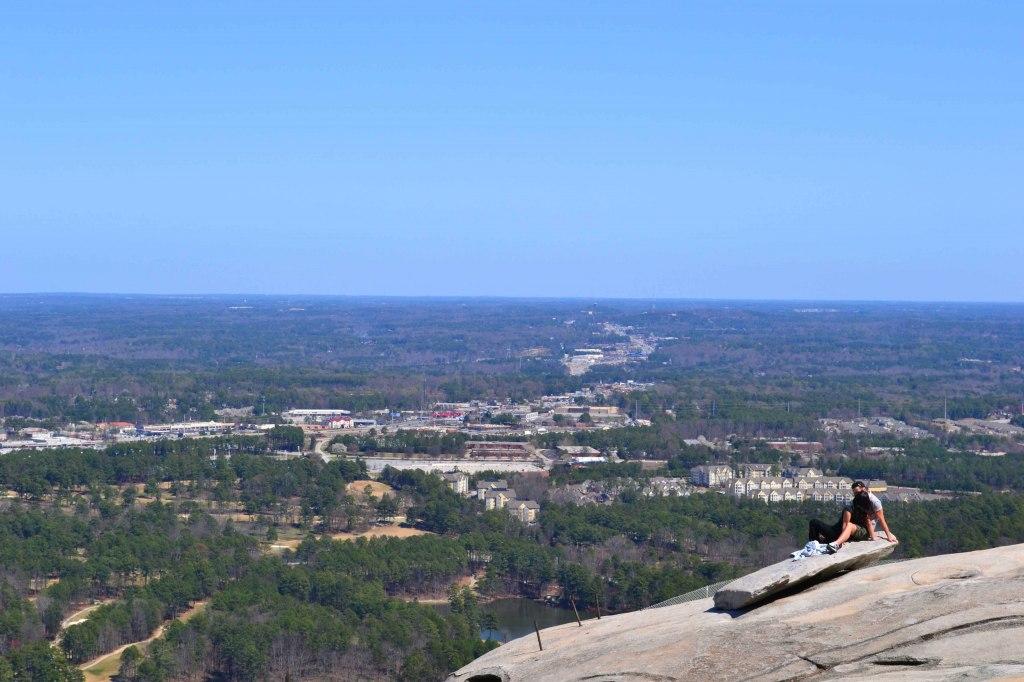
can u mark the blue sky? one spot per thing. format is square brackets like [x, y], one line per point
[700, 150]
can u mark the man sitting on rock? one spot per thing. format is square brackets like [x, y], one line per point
[857, 523]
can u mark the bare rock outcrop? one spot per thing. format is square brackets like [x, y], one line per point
[956, 616]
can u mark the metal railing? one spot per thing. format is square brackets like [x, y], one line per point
[693, 595]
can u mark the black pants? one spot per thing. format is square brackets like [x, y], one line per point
[823, 532]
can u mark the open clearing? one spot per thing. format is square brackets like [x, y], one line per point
[389, 531]
[378, 489]
[281, 545]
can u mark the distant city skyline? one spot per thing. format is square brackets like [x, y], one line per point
[785, 152]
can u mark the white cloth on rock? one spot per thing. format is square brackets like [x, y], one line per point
[812, 548]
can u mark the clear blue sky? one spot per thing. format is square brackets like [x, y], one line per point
[778, 150]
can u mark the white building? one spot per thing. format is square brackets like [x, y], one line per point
[498, 499]
[711, 475]
[754, 470]
[314, 416]
[597, 413]
[187, 428]
[802, 472]
[494, 494]
[568, 451]
[524, 510]
[665, 487]
[777, 489]
[458, 482]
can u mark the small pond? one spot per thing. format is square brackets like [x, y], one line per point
[514, 618]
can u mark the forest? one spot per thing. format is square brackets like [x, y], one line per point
[174, 549]
[753, 368]
[242, 558]
[929, 465]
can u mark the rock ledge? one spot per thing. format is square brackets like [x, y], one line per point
[770, 580]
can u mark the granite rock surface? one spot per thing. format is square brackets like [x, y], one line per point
[956, 616]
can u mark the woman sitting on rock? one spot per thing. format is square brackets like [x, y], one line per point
[857, 523]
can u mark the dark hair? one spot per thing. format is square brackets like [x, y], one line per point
[858, 484]
[862, 502]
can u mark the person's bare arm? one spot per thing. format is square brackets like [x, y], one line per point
[871, 530]
[880, 515]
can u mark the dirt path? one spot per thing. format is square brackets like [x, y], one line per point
[102, 668]
[320, 447]
[79, 616]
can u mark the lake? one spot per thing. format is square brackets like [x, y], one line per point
[515, 618]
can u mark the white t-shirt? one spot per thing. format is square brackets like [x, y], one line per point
[876, 505]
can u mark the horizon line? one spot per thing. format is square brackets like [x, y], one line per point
[510, 297]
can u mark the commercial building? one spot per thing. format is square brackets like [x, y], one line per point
[117, 428]
[806, 448]
[40, 441]
[598, 413]
[579, 454]
[492, 449]
[186, 428]
[583, 461]
[480, 427]
[314, 416]
[364, 423]
[577, 451]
